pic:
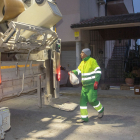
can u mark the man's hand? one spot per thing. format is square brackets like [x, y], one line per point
[69, 72]
[96, 85]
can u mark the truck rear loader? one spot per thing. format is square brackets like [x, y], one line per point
[29, 51]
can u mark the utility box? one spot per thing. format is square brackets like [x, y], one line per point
[4, 121]
[124, 87]
[137, 90]
[5, 114]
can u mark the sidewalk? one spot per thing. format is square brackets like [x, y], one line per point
[113, 92]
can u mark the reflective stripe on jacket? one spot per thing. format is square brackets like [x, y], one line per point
[90, 71]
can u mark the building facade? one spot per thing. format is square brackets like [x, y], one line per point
[86, 35]
[75, 11]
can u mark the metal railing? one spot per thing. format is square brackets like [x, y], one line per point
[115, 58]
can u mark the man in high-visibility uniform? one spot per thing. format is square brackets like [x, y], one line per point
[90, 73]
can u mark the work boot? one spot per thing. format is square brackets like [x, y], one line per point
[80, 121]
[100, 115]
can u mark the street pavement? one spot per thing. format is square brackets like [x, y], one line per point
[113, 92]
[120, 122]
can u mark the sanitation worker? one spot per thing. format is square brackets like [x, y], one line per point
[90, 73]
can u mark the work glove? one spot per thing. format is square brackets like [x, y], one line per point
[96, 85]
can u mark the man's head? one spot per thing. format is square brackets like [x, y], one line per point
[85, 52]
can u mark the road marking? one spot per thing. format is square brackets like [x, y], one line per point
[20, 66]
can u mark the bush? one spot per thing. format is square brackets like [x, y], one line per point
[130, 75]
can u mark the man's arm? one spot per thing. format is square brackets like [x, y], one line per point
[78, 70]
[97, 71]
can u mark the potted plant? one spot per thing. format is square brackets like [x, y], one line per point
[129, 78]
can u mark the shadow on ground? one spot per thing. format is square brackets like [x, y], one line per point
[28, 124]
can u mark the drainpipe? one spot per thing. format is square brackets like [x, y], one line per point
[78, 51]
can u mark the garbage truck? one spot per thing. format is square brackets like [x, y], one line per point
[29, 51]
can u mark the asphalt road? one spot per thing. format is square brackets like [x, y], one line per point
[29, 122]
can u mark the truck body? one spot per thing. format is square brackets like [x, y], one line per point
[29, 50]
[29, 33]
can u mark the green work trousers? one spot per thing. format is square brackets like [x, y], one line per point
[88, 94]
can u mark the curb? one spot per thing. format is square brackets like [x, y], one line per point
[105, 96]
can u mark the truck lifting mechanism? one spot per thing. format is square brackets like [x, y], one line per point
[30, 34]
